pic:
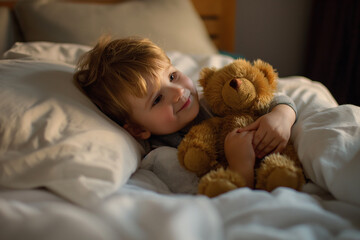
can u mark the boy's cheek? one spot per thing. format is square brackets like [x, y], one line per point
[164, 118]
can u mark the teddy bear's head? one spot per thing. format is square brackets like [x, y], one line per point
[239, 86]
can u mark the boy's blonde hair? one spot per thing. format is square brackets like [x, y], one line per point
[113, 69]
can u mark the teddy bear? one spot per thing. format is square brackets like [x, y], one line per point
[237, 94]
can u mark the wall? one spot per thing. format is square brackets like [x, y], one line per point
[275, 31]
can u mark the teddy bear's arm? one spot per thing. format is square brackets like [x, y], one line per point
[198, 150]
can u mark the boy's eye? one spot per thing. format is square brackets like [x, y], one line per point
[172, 77]
[157, 100]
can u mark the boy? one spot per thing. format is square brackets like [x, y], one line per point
[133, 82]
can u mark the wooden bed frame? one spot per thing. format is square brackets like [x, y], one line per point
[218, 17]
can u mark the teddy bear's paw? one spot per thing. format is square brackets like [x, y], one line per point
[220, 181]
[197, 161]
[282, 178]
[279, 171]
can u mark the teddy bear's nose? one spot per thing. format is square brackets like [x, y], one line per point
[234, 83]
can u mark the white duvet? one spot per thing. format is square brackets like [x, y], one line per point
[157, 201]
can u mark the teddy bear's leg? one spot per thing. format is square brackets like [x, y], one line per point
[278, 170]
[220, 181]
[197, 152]
[203, 161]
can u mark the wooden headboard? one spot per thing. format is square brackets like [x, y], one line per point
[218, 17]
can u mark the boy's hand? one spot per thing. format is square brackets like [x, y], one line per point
[272, 130]
[240, 154]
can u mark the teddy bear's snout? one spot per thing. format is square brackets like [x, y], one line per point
[235, 83]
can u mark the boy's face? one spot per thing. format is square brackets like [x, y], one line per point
[166, 110]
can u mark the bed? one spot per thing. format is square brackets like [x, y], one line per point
[69, 172]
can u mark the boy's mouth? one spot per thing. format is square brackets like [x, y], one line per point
[187, 96]
[187, 103]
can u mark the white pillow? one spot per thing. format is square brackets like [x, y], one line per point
[60, 52]
[173, 25]
[52, 136]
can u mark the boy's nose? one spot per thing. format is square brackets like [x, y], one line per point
[177, 92]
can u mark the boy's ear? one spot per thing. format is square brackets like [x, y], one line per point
[136, 131]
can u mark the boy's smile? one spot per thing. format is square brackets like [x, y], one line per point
[167, 108]
[186, 100]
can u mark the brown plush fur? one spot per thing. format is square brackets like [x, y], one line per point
[236, 105]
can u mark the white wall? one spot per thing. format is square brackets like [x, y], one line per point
[275, 31]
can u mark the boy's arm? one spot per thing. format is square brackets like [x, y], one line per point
[272, 130]
[281, 98]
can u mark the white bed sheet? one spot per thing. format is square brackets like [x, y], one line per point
[142, 213]
[156, 202]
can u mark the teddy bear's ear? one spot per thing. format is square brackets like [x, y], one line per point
[267, 70]
[205, 74]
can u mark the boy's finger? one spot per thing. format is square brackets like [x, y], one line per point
[267, 150]
[277, 147]
[259, 139]
[250, 127]
[280, 148]
[248, 134]
[267, 144]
